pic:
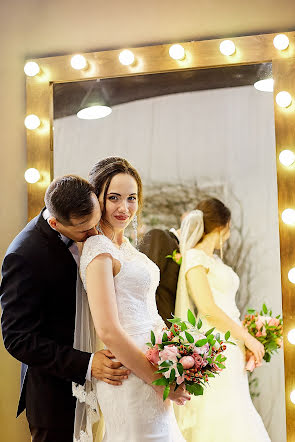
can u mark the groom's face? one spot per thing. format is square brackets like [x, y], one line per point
[81, 228]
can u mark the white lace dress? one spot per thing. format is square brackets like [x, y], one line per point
[133, 412]
[225, 413]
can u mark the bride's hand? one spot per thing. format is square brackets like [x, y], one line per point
[255, 347]
[180, 396]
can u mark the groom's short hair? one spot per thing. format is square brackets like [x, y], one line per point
[69, 196]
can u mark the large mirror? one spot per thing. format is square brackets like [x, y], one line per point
[190, 134]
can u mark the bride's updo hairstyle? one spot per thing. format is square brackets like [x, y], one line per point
[215, 214]
[102, 173]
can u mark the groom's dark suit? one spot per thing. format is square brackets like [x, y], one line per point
[38, 299]
[157, 244]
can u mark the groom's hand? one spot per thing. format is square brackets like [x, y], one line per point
[104, 369]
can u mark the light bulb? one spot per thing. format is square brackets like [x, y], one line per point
[32, 175]
[264, 85]
[78, 62]
[287, 157]
[32, 122]
[283, 99]
[281, 42]
[288, 216]
[126, 57]
[291, 275]
[292, 396]
[291, 336]
[31, 69]
[177, 52]
[227, 47]
[94, 112]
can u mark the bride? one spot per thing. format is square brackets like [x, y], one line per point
[225, 413]
[120, 283]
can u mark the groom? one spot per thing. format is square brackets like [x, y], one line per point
[38, 300]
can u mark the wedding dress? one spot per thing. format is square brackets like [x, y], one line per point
[225, 413]
[132, 412]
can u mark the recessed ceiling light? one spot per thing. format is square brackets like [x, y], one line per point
[94, 112]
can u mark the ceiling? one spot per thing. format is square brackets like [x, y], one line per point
[69, 98]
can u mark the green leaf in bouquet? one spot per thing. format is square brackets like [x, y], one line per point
[271, 346]
[172, 376]
[201, 342]
[209, 360]
[220, 365]
[149, 344]
[251, 311]
[210, 375]
[180, 368]
[162, 370]
[209, 331]
[267, 357]
[153, 338]
[166, 364]
[195, 389]
[270, 313]
[200, 323]
[164, 337]
[218, 358]
[189, 337]
[183, 326]
[166, 392]
[174, 320]
[227, 335]
[211, 340]
[161, 381]
[264, 308]
[191, 318]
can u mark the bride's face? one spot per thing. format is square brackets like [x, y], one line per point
[121, 201]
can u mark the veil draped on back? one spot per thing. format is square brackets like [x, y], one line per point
[192, 230]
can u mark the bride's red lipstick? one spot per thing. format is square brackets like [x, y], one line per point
[121, 217]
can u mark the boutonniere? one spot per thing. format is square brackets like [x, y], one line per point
[176, 257]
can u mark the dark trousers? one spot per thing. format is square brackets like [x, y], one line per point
[51, 435]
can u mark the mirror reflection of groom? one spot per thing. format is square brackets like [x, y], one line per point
[38, 300]
[157, 244]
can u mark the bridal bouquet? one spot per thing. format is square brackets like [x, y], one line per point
[268, 331]
[185, 354]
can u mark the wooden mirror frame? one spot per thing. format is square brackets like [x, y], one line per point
[155, 59]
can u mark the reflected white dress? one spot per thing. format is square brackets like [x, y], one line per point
[132, 412]
[225, 413]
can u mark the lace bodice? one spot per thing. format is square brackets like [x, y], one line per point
[135, 284]
[223, 281]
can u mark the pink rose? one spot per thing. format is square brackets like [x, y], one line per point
[169, 353]
[261, 333]
[198, 361]
[160, 336]
[274, 322]
[259, 323]
[187, 362]
[153, 355]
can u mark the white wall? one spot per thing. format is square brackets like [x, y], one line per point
[223, 136]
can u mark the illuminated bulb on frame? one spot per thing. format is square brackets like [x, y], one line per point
[287, 157]
[227, 47]
[283, 99]
[78, 62]
[291, 336]
[292, 396]
[264, 85]
[291, 275]
[32, 122]
[32, 175]
[177, 52]
[126, 57]
[31, 69]
[288, 216]
[281, 42]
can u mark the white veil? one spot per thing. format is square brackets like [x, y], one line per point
[87, 409]
[191, 231]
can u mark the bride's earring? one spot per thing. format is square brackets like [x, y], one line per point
[134, 226]
[220, 247]
[99, 229]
